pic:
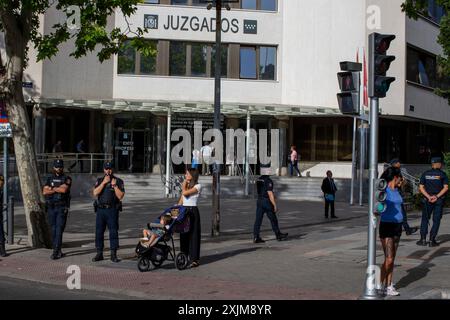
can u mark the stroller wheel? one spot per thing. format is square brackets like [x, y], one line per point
[144, 264]
[181, 261]
[156, 263]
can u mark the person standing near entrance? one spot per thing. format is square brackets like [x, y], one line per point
[109, 191]
[293, 161]
[329, 191]
[433, 186]
[80, 149]
[2, 232]
[57, 193]
[206, 152]
[266, 204]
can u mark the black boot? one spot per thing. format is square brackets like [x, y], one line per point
[433, 243]
[114, 256]
[281, 236]
[98, 256]
[422, 242]
[55, 255]
[3, 250]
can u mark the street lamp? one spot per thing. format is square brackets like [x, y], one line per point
[215, 229]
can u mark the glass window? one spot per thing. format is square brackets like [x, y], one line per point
[269, 5]
[421, 67]
[151, 1]
[148, 63]
[267, 63]
[248, 4]
[177, 59]
[434, 11]
[199, 3]
[179, 2]
[248, 63]
[199, 55]
[126, 60]
[224, 61]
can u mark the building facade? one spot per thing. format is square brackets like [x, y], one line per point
[279, 65]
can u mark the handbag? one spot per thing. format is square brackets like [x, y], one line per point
[329, 197]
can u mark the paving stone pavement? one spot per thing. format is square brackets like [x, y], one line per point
[323, 259]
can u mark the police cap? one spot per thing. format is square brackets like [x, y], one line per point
[108, 165]
[394, 161]
[58, 163]
[436, 160]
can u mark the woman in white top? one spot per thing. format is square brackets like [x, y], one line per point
[190, 192]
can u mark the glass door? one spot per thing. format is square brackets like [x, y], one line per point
[124, 150]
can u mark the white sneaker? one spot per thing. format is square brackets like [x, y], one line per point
[391, 291]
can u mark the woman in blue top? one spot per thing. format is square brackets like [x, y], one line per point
[391, 228]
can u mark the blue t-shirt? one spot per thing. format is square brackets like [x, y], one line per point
[393, 211]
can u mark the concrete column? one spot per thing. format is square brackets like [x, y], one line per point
[39, 114]
[283, 124]
[335, 141]
[159, 146]
[108, 133]
[231, 122]
[91, 143]
[313, 142]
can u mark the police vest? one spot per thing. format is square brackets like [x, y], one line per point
[55, 181]
[108, 196]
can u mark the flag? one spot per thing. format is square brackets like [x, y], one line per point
[366, 95]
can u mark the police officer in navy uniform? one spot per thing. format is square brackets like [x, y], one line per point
[266, 204]
[433, 186]
[109, 191]
[57, 193]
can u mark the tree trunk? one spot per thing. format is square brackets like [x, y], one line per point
[33, 200]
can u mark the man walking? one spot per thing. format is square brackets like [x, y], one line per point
[329, 191]
[206, 152]
[433, 186]
[80, 149]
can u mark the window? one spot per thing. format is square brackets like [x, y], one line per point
[127, 60]
[148, 63]
[267, 62]
[247, 63]
[177, 58]
[434, 11]
[224, 61]
[151, 1]
[266, 5]
[179, 2]
[199, 57]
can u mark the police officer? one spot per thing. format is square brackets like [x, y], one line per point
[266, 204]
[433, 186]
[109, 191]
[57, 193]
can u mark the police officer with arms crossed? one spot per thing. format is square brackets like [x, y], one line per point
[266, 204]
[433, 186]
[109, 191]
[57, 193]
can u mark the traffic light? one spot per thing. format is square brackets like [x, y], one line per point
[348, 99]
[379, 64]
[380, 196]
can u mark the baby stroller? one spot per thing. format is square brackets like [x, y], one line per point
[150, 258]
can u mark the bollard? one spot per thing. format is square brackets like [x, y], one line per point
[11, 220]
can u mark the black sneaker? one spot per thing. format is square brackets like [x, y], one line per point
[98, 257]
[422, 242]
[282, 236]
[433, 243]
[258, 240]
[334, 217]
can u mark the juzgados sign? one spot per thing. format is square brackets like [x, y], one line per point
[199, 24]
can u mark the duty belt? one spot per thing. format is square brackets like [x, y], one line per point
[106, 206]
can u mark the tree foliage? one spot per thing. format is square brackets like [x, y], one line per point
[416, 8]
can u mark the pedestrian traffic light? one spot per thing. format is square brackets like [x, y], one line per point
[348, 99]
[380, 196]
[379, 64]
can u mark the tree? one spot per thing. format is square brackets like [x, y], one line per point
[19, 22]
[413, 9]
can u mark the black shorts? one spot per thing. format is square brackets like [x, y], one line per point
[390, 230]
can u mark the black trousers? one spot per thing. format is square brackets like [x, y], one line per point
[2, 233]
[329, 204]
[190, 241]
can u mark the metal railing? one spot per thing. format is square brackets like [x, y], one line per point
[411, 181]
[175, 181]
[74, 160]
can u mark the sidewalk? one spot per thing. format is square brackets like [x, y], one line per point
[323, 259]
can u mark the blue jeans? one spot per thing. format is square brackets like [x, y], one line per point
[429, 209]
[292, 166]
[265, 206]
[57, 216]
[110, 218]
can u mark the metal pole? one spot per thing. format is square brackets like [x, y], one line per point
[362, 159]
[11, 220]
[247, 151]
[370, 291]
[5, 185]
[217, 78]
[354, 173]
[169, 123]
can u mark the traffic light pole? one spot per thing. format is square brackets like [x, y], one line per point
[370, 290]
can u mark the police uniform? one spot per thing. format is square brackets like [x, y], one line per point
[264, 205]
[58, 207]
[108, 206]
[433, 181]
